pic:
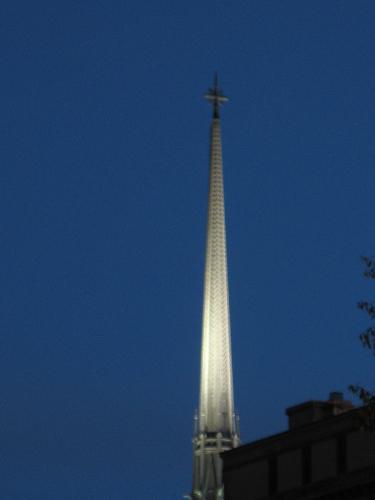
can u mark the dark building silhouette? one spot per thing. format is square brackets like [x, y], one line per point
[326, 454]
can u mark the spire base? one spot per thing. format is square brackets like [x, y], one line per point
[207, 480]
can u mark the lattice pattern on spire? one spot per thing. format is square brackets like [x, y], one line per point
[216, 394]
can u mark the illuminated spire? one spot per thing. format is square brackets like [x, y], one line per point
[216, 423]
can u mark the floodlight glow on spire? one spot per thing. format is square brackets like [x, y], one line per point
[216, 423]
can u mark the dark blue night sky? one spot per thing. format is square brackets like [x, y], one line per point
[104, 167]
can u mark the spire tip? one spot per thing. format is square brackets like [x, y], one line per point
[216, 96]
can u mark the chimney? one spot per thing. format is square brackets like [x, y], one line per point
[314, 411]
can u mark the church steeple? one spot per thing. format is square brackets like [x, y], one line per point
[216, 421]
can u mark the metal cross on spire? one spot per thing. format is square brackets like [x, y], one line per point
[216, 96]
